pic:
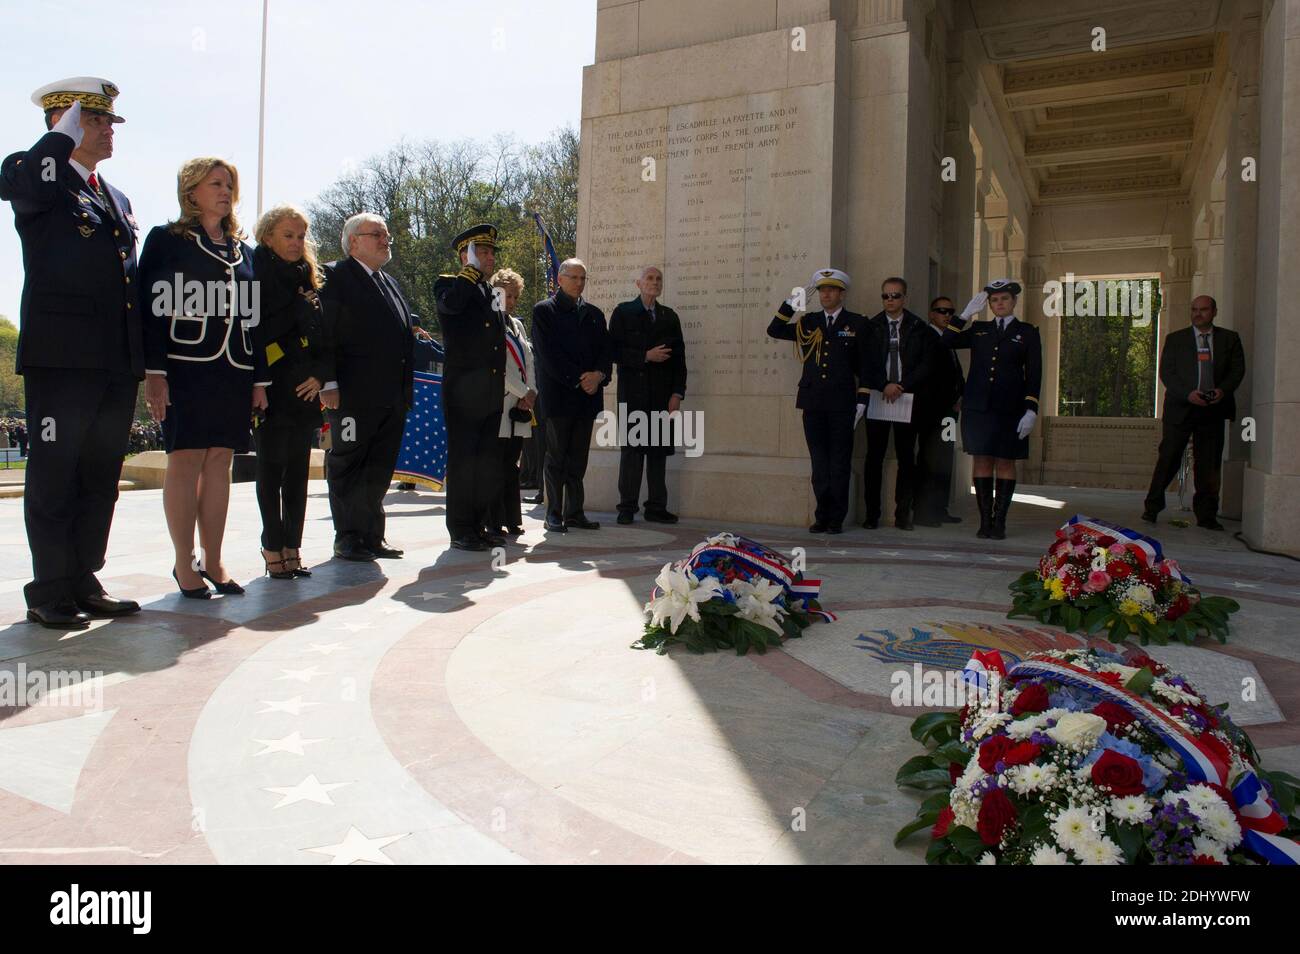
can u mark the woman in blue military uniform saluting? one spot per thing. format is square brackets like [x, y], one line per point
[1000, 402]
[203, 377]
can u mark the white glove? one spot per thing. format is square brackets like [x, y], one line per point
[70, 124]
[1026, 424]
[808, 293]
[862, 409]
[975, 305]
[472, 259]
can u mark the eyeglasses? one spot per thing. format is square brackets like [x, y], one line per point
[890, 296]
[944, 311]
[381, 236]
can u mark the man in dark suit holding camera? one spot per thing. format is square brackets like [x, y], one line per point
[1200, 367]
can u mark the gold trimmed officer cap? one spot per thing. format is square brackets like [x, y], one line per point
[482, 234]
[832, 277]
[95, 93]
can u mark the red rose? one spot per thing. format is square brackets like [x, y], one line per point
[955, 770]
[991, 752]
[1021, 754]
[1032, 698]
[1119, 570]
[1116, 716]
[1118, 774]
[1105, 540]
[1140, 660]
[1179, 607]
[943, 823]
[997, 816]
[1150, 577]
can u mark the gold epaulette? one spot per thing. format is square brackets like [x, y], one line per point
[470, 272]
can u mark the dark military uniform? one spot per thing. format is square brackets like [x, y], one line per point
[473, 387]
[1006, 372]
[828, 397]
[81, 356]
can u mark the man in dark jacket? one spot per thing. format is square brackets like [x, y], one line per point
[80, 349]
[574, 363]
[1200, 367]
[826, 343]
[473, 386]
[368, 360]
[940, 400]
[651, 357]
[896, 359]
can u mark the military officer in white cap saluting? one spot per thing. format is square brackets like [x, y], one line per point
[1000, 402]
[826, 343]
[79, 347]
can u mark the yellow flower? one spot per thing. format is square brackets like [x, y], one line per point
[1129, 608]
[1058, 589]
[1047, 584]
[1149, 616]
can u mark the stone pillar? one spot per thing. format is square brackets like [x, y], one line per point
[1271, 514]
[1049, 332]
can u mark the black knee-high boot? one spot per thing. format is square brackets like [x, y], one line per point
[1001, 504]
[984, 500]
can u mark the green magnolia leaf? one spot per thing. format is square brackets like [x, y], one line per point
[967, 842]
[926, 820]
[931, 778]
[925, 725]
[938, 852]
[952, 751]
[918, 763]
[1140, 682]
[935, 802]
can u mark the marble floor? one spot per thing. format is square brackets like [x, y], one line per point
[448, 707]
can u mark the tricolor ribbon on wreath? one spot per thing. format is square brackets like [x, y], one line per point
[766, 563]
[1260, 818]
[1149, 545]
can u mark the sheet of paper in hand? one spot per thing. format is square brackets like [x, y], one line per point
[881, 410]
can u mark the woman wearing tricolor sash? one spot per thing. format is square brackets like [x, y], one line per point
[516, 407]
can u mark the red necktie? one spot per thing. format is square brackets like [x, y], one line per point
[93, 182]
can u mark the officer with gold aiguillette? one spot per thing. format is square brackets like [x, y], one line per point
[80, 350]
[826, 343]
[1000, 402]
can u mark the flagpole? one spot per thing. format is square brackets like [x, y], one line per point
[261, 113]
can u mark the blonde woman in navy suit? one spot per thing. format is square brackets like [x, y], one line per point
[203, 377]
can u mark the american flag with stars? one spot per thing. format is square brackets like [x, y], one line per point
[423, 459]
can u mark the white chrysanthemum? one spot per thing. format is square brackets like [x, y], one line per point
[1171, 692]
[1047, 855]
[1073, 828]
[1142, 595]
[1099, 851]
[1221, 825]
[1130, 808]
[988, 723]
[1201, 845]
[1202, 798]
[1024, 728]
[972, 774]
[1035, 777]
[988, 859]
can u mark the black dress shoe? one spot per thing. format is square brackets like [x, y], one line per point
[354, 552]
[1210, 524]
[904, 523]
[197, 593]
[556, 526]
[949, 518]
[817, 527]
[535, 499]
[660, 516]
[871, 524]
[226, 587]
[103, 606]
[492, 539]
[61, 615]
[474, 544]
[582, 523]
[382, 549]
[1149, 516]
[834, 528]
[514, 531]
[625, 519]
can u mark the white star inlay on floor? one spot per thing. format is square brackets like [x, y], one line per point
[300, 675]
[308, 790]
[1245, 586]
[357, 847]
[353, 627]
[291, 743]
[292, 706]
[888, 553]
[998, 559]
[327, 648]
[433, 596]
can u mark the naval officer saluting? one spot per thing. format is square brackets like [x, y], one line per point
[826, 343]
[1000, 402]
[80, 350]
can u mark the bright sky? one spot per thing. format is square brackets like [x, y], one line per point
[345, 80]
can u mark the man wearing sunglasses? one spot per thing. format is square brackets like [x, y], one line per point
[1000, 402]
[896, 359]
[942, 399]
[826, 342]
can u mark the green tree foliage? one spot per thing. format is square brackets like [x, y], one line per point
[1108, 364]
[430, 191]
[11, 383]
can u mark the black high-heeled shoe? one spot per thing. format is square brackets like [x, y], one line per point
[283, 573]
[198, 593]
[298, 570]
[228, 588]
